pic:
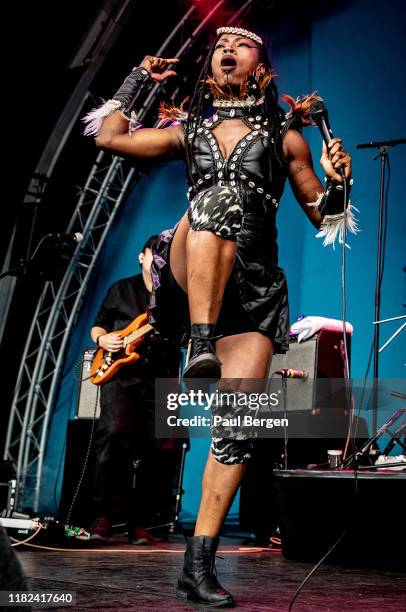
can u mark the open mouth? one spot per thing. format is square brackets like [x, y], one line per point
[228, 63]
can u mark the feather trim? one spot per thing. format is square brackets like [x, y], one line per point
[217, 91]
[94, 119]
[319, 200]
[332, 227]
[170, 114]
[300, 108]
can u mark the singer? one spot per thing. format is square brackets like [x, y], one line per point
[219, 265]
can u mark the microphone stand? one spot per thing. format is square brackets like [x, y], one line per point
[383, 154]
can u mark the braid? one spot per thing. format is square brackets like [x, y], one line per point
[276, 114]
[195, 108]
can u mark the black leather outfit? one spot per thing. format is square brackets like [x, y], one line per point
[256, 297]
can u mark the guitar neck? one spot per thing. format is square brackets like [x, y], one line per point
[137, 333]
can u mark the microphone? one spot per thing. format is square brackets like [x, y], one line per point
[319, 114]
[290, 373]
[76, 237]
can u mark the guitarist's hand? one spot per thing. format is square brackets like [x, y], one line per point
[111, 342]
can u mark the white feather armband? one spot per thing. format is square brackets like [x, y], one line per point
[94, 119]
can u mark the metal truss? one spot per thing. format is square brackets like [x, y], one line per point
[59, 304]
[54, 318]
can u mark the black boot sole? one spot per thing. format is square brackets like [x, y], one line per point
[204, 366]
[185, 596]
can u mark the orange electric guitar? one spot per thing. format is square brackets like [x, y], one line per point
[105, 364]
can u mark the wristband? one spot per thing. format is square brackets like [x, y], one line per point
[123, 100]
[330, 204]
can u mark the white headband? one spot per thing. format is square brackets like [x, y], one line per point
[241, 32]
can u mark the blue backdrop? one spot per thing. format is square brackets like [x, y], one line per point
[355, 59]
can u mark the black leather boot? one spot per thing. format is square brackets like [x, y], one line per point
[197, 581]
[203, 362]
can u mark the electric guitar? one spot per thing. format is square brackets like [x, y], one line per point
[105, 363]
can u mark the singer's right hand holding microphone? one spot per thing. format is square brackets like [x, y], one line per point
[335, 157]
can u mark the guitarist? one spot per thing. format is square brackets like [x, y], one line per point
[125, 431]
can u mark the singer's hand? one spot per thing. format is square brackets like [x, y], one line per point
[333, 158]
[158, 67]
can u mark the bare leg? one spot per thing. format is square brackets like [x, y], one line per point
[210, 260]
[201, 263]
[243, 356]
[219, 485]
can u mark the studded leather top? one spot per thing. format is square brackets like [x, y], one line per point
[258, 178]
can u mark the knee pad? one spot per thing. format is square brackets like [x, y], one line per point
[231, 452]
[232, 442]
[217, 210]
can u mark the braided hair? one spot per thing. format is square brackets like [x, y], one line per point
[275, 113]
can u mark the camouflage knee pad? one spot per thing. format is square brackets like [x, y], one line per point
[231, 452]
[232, 443]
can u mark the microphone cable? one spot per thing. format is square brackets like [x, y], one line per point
[348, 395]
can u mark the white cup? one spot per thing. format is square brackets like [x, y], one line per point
[334, 458]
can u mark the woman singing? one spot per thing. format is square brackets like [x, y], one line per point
[218, 267]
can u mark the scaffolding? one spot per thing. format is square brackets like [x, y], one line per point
[107, 186]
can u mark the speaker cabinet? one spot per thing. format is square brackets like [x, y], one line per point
[89, 396]
[317, 507]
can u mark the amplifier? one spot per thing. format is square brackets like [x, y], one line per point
[89, 394]
[322, 358]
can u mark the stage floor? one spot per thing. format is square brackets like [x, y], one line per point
[124, 577]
